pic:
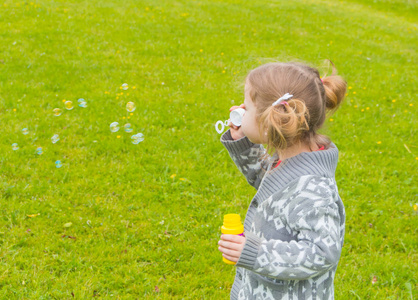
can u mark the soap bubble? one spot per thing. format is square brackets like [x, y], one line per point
[57, 112]
[15, 146]
[125, 86]
[25, 131]
[58, 164]
[219, 126]
[39, 150]
[128, 127]
[114, 127]
[130, 106]
[55, 138]
[69, 105]
[82, 103]
[137, 138]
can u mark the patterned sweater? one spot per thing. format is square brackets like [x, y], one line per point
[294, 226]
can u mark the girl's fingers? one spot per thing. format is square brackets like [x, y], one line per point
[232, 125]
[230, 253]
[231, 258]
[230, 245]
[235, 107]
[232, 238]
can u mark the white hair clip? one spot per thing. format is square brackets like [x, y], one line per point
[281, 99]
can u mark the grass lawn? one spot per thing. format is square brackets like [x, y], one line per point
[126, 221]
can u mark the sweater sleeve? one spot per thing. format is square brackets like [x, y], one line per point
[247, 157]
[315, 250]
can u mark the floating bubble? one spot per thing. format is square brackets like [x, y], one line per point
[69, 105]
[25, 131]
[114, 127]
[128, 128]
[82, 103]
[15, 146]
[58, 164]
[220, 126]
[39, 150]
[130, 106]
[55, 138]
[57, 112]
[125, 86]
[137, 138]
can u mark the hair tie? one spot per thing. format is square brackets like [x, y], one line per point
[321, 80]
[281, 99]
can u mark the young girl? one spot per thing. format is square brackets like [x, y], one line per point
[294, 227]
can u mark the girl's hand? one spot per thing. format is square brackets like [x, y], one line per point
[231, 246]
[236, 132]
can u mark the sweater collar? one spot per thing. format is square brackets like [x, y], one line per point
[321, 163]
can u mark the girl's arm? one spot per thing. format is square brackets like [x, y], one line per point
[316, 249]
[246, 155]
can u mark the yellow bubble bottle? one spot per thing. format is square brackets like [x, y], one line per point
[232, 225]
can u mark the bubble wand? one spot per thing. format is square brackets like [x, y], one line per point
[236, 118]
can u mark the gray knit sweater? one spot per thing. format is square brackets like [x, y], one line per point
[294, 226]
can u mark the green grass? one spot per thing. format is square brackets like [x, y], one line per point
[142, 234]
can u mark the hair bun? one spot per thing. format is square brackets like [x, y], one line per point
[335, 89]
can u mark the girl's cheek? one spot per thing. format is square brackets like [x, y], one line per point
[244, 119]
[243, 128]
[243, 122]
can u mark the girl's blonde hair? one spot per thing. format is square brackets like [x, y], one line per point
[305, 112]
